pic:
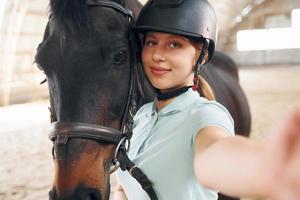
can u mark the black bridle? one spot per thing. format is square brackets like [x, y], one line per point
[61, 132]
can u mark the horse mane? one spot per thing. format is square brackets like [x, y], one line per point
[69, 16]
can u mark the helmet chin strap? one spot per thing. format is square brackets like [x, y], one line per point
[197, 73]
[199, 65]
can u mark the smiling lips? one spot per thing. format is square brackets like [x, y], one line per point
[159, 71]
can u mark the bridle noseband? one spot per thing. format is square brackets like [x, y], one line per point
[61, 132]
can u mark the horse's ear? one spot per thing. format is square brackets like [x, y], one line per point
[135, 6]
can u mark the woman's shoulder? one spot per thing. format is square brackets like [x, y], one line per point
[204, 105]
[205, 112]
[144, 110]
[204, 108]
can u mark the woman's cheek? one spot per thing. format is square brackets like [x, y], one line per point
[145, 54]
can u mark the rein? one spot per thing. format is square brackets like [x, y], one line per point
[61, 132]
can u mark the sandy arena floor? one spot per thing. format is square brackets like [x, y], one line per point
[26, 164]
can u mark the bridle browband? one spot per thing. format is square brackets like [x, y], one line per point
[61, 132]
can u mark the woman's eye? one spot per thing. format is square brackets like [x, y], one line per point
[150, 43]
[175, 45]
[120, 57]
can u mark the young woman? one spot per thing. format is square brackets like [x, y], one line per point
[185, 143]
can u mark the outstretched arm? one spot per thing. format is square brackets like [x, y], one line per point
[243, 167]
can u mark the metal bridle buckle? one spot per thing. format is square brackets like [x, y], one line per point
[131, 113]
[125, 142]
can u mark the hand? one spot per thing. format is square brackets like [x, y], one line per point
[284, 146]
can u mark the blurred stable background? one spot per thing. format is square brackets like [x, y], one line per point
[262, 36]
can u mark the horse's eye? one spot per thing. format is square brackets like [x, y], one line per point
[120, 57]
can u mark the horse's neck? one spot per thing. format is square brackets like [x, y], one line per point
[144, 90]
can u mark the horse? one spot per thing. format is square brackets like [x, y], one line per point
[234, 98]
[96, 84]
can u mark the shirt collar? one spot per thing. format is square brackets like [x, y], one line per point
[178, 104]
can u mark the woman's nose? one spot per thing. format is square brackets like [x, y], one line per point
[159, 54]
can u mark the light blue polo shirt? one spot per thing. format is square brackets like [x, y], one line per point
[162, 145]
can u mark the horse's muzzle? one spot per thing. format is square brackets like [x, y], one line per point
[80, 194]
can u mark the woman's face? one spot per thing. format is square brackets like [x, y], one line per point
[168, 60]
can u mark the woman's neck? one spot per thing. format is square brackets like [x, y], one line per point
[164, 97]
[163, 103]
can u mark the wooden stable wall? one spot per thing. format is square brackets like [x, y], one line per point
[21, 30]
[270, 57]
[265, 16]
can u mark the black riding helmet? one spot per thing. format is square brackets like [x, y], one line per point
[194, 19]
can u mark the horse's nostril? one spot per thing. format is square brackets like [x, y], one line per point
[83, 193]
[92, 196]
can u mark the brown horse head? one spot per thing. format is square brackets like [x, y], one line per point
[88, 59]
